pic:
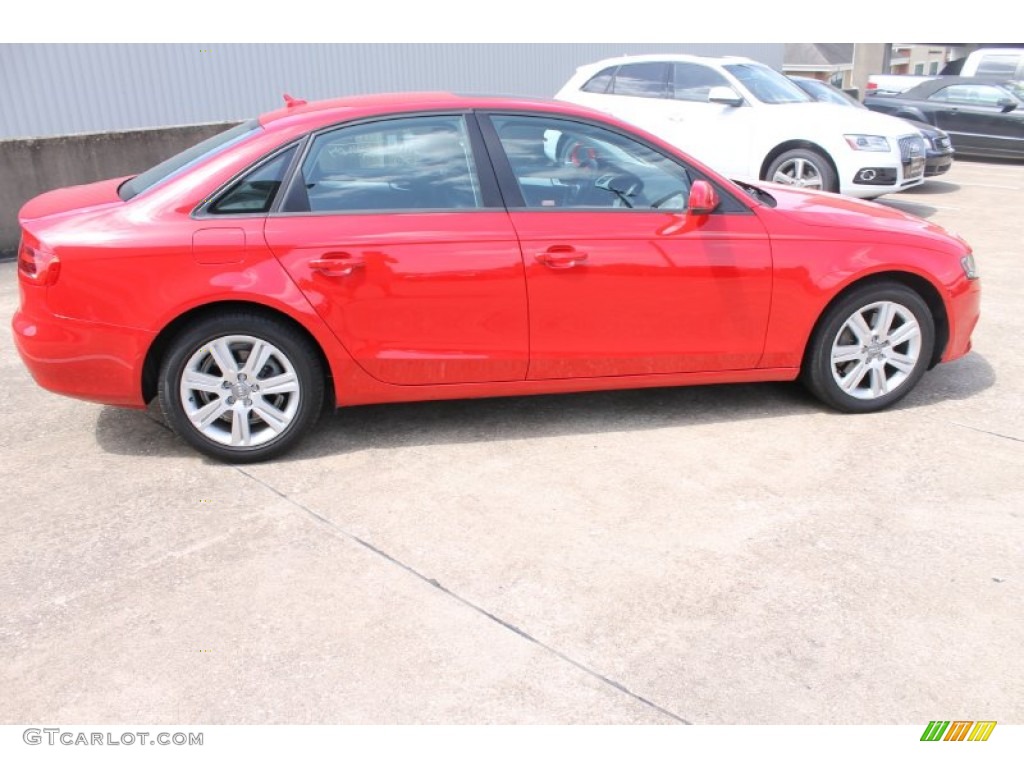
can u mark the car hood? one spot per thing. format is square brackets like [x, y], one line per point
[72, 199]
[844, 120]
[824, 211]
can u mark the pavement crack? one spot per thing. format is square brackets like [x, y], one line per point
[473, 606]
[988, 432]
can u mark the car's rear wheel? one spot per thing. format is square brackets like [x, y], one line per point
[871, 348]
[241, 387]
[803, 168]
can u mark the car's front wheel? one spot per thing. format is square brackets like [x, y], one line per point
[803, 168]
[870, 348]
[241, 387]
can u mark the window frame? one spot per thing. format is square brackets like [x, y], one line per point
[730, 203]
[490, 196]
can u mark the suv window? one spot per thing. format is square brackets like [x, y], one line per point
[767, 85]
[599, 83]
[997, 65]
[692, 82]
[647, 79]
[410, 163]
[254, 192]
[175, 165]
[566, 164]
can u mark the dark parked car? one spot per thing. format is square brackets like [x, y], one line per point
[982, 116]
[938, 146]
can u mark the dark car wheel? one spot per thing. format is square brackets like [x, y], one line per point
[803, 168]
[870, 349]
[241, 387]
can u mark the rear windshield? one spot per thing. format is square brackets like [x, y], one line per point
[183, 160]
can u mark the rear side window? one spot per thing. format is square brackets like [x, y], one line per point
[648, 79]
[401, 164]
[599, 83]
[998, 65]
[183, 160]
[255, 192]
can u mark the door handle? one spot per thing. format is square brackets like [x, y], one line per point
[339, 264]
[561, 257]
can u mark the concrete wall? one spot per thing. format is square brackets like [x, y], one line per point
[31, 166]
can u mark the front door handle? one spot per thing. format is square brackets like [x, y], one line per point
[561, 257]
[337, 264]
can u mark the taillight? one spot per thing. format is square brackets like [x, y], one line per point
[37, 265]
[872, 86]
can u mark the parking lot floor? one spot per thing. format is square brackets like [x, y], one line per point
[734, 554]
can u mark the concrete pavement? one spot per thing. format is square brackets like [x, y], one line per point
[733, 554]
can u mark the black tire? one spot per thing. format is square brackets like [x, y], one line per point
[861, 395]
[274, 421]
[815, 164]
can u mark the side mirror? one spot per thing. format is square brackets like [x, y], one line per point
[723, 94]
[1007, 105]
[703, 198]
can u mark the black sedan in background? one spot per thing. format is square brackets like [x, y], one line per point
[982, 116]
[939, 149]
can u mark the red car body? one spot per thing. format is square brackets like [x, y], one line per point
[463, 304]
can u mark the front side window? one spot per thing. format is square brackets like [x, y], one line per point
[647, 79]
[183, 160]
[254, 192]
[970, 95]
[767, 85]
[561, 164]
[402, 164]
[693, 82]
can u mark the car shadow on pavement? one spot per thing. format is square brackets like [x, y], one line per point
[127, 432]
[933, 187]
[906, 206]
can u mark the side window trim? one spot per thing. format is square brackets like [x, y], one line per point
[490, 194]
[514, 201]
[202, 210]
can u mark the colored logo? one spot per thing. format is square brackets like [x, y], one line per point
[958, 730]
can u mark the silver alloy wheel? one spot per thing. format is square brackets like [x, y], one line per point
[239, 391]
[876, 350]
[799, 172]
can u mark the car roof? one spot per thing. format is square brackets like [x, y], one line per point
[316, 113]
[656, 57]
[938, 83]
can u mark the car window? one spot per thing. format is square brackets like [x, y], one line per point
[254, 192]
[599, 83]
[692, 82]
[997, 65]
[565, 164]
[767, 85]
[971, 95]
[189, 157]
[647, 79]
[412, 163]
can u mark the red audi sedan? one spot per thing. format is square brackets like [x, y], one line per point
[430, 246]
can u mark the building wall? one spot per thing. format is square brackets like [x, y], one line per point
[83, 88]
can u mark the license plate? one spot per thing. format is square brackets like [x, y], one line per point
[914, 168]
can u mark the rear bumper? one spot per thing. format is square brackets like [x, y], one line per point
[964, 303]
[89, 361]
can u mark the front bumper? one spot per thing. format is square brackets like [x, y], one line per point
[964, 303]
[871, 174]
[85, 360]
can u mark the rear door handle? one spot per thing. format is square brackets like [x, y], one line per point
[337, 264]
[561, 257]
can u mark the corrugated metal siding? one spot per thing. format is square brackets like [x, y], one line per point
[49, 90]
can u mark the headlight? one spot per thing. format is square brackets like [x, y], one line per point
[970, 268]
[867, 143]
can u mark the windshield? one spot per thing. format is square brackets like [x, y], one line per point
[767, 85]
[827, 93]
[1016, 87]
[182, 160]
